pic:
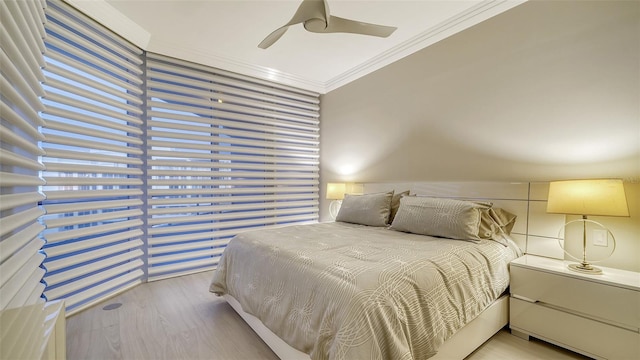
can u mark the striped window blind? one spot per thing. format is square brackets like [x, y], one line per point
[93, 156]
[22, 42]
[226, 154]
[150, 168]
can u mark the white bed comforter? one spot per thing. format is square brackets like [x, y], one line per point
[344, 291]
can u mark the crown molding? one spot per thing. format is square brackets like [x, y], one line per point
[105, 14]
[179, 51]
[108, 16]
[460, 22]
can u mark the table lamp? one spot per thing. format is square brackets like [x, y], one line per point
[596, 197]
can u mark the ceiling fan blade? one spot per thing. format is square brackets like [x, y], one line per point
[338, 24]
[273, 37]
[311, 9]
[308, 10]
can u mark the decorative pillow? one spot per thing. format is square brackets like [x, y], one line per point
[368, 209]
[495, 223]
[395, 204]
[454, 219]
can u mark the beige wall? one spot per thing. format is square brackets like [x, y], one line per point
[547, 90]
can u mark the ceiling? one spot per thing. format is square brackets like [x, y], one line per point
[226, 34]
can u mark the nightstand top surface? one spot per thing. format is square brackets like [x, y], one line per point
[609, 276]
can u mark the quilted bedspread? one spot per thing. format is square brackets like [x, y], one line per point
[345, 291]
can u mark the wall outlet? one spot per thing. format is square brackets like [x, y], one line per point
[600, 237]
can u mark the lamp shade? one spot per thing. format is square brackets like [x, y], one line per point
[335, 191]
[599, 197]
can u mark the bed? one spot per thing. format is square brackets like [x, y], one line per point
[359, 288]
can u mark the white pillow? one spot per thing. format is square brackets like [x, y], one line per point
[368, 209]
[454, 219]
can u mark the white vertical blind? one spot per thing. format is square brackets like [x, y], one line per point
[93, 118]
[22, 42]
[225, 154]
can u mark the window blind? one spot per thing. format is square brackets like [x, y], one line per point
[144, 172]
[22, 42]
[93, 156]
[226, 153]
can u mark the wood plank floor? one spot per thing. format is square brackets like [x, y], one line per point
[179, 319]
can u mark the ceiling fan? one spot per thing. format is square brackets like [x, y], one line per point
[314, 15]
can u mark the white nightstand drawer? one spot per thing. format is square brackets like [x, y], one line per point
[592, 338]
[612, 304]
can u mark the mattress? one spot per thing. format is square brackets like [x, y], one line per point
[346, 291]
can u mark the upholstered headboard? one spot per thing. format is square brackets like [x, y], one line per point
[535, 231]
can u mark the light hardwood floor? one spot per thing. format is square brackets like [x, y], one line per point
[179, 319]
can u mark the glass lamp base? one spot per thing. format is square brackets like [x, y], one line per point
[334, 208]
[583, 265]
[585, 269]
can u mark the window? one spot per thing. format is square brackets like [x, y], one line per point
[22, 43]
[226, 154]
[151, 164]
[93, 159]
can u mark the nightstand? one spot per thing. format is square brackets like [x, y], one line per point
[595, 315]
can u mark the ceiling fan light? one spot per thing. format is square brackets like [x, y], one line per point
[315, 25]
